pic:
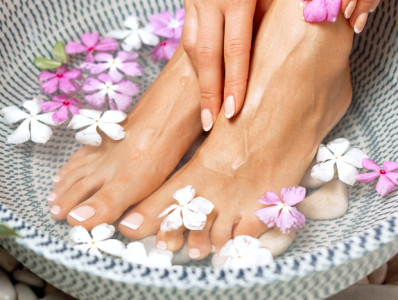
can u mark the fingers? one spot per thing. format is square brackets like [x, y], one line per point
[190, 31]
[237, 44]
[357, 12]
[209, 48]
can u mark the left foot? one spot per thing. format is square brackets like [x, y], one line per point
[299, 88]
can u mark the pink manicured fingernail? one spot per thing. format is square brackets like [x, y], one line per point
[82, 213]
[360, 22]
[350, 9]
[161, 245]
[55, 210]
[56, 178]
[194, 253]
[207, 119]
[229, 107]
[133, 221]
[51, 197]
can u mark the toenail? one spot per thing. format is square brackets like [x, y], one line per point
[207, 119]
[55, 210]
[194, 253]
[360, 23]
[56, 178]
[213, 249]
[51, 197]
[350, 9]
[229, 107]
[82, 213]
[133, 221]
[161, 245]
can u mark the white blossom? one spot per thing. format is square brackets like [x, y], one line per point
[136, 253]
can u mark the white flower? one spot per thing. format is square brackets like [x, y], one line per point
[190, 211]
[32, 127]
[134, 36]
[100, 240]
[94, 122]
[136, 253]
[338, 153]
[242, 252]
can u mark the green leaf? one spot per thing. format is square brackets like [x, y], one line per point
[46, 64]
[60, 53]
[7, 231]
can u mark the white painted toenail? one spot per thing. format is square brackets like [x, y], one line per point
[213, 249]
[207, 119]
[82, 213]
[161, 245]
[51, 197]
[55, 210]
[229, 107]
[194, 253]
[133, 221]
[56, 178]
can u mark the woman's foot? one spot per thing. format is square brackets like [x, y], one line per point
[99, 183]
[299, 88]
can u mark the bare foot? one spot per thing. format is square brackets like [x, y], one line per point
[98, 184]
[299, 88]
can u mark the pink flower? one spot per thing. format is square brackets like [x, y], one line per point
[165, 25]
[164, 50]
[123, 62]
[62, 79]
[281, 213]
[120, 95]
[321, 10]
[65, 106]
[388, 178]
[90, 44]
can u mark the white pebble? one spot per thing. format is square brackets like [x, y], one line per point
[308, 181]
[27, 277]
[378, 275]
[24, 292]
[275, 241]
[329, 202]
[7, 290]
[7, 261]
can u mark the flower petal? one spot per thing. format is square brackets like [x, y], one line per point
[45, 75]
[73, 48]
[103, 57]
[172, 221]
[179, 14]
[299, 218]
[40, 133]
[390, 166]
[120, 101]
[289, 221]
[74, 109]
[115, 75]
[202, 204]
[13, 114]
[67, 86]
[112, 246]
[102, 232]
[113, 116]
[384, 185]
[268, 215]
[107, 44]
[160, 258]
[131, 69]
[133, 41]
[147, 36]
[127, 87]
[354, 157]
[94, 251]
[339, 146]
[79, 234]
[243, 243]
[89, 136]
[73, 74]
[91, 113]
[96, 100]
[131, 22]
[46, 118]
[293, 195]
[393, 176]
[270, 198]
[90, 39]
[135, 253]
[333, 9]
[323, 171]
[167, 210]
[48, 106]
[21, 134]
[80, 121]
[61, 115]
[91, 85]
[315, 11]
[50, 86]
[346, 172]
[369, 164]
[367, 177]
[323, 154]
[33, 106]
[125, 56]
[184, 195]
[193, 220]
[114, 131]
[118, 34]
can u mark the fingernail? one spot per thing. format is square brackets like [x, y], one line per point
[213, 249]
[161, 245]
[55, 210]
[373, 8]
[56, 178]
[350, 9]
[194, 253]
[133, 221]
[360, 23]
[82, 213]
[207, 119]
[51, 197]
[229, 107]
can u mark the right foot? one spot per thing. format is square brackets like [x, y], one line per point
[99, 183]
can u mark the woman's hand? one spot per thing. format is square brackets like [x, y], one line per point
[217, 34]
[357, 12]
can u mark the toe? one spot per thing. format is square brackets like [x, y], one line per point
[221, 232]
[250, 225]
[199, 241]
[66, 182]
[170, 240]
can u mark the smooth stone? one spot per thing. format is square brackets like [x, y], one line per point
[24, 292]
[329, 202]
[364, 281]
[7, 261]
[379, 275]
[308, 181]
[367, 292]
[58, 296]
[7, 290]
[26, 276]
[275, 241]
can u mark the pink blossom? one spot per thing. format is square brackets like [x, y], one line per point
[62, 80]
[123, 62]
[280, 212]
[164, 50]
[388, 178]
[65, 106]
[91, 43]
[165, 25]
[321, 10]
[102, 89]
